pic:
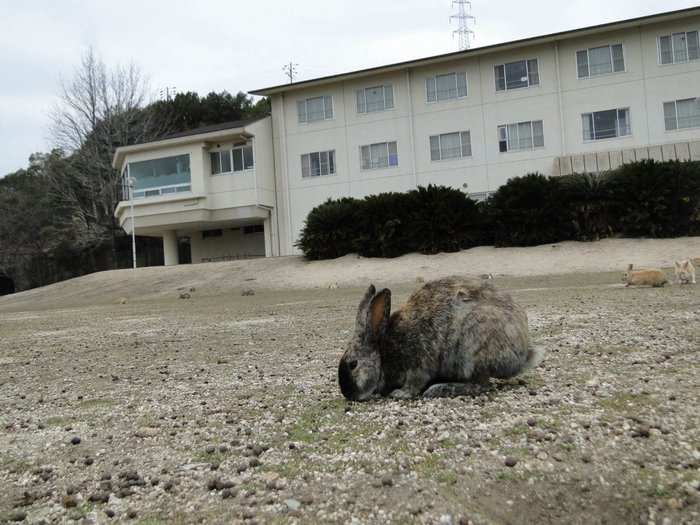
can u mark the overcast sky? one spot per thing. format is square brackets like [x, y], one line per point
[210, 45]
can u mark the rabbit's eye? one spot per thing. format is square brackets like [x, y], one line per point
[352, 364]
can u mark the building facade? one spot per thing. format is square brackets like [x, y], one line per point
[582, 100]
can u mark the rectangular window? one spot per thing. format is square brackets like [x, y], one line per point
[208, 234]
[318, 163]
[220, 162]
[446, 87]
[314, 109]
[450, 146]
[520, 136]
[682, 114]
[377, 98]
[515, 75]
[380, 155]
[254, 228]
[600, 60]
[242, 158]
[679, 47]
[157, 177]
[606, 124]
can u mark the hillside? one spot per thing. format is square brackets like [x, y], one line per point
[295, 272]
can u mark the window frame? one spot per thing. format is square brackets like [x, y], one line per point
[505, 79]
[439, 136]
[388, 156]
[306, 109]
[507, 136]
[329, 174]
[612, 61]
[617, 124]
[230, 151]
[384, 97]
[675, 111]
[176, 188]
[673, 54]
[433, 79]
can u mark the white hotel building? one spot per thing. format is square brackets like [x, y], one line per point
[583, 100]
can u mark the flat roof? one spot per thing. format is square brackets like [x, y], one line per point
[202, 133]
[541, 39]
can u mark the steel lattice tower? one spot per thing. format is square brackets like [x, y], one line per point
[463, 16]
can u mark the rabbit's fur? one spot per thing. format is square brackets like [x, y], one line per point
[685, 272]
[453, 330]
[646, 277]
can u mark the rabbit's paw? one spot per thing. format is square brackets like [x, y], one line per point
[400, 394]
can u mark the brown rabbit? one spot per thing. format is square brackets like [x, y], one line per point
[452, 330]
[645, 277]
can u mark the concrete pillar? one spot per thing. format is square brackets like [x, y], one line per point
[267, 232]
[170, 256]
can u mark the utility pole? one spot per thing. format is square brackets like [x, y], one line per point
[290, 70]
[132, 185]
[463, 17]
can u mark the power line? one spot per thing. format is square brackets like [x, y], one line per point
[463, 17]
[290, 70]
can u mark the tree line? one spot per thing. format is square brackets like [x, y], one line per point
[57, 214]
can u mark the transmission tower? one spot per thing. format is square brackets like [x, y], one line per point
[290, 70]
[463, 17]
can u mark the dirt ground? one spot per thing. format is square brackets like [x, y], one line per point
[224, 408]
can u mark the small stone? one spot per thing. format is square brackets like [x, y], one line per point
[69, 502]
[109, 513]
[227, 493]
[18, 515]
[387, 481]
[247, 292]
[307, 499]
[511, 461]
[185, 295]
[75, 440]
[292, 504]
[210, 449]
[131, 514]
[88, 461]
[642, 431]
[531, 422]
[255, 462]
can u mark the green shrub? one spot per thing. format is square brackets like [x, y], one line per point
[645, 199]
[528, 210]
[656, 199]
[330, 229]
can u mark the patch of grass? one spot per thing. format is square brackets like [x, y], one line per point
[434, 467]
[96, 403]
[623, 401]
[14, 465]
[57, 421]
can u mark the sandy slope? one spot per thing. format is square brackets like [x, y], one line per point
[351, 270]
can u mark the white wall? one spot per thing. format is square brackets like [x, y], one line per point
[558, 101]
[232, 244]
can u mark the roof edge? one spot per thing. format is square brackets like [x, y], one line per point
[560, 35]
[191, 137]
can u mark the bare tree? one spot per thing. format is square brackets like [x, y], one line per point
[99, 109]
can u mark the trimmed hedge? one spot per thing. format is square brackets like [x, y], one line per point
[644, 199]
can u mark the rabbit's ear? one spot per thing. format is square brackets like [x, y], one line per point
[363, 309]
[379, 311]
[629, 267]
[677, 264]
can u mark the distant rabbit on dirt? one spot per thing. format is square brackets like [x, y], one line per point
[646, 277]
[685, 272]
[451, 336]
